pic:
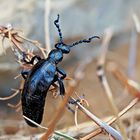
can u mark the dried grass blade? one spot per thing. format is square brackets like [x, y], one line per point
[133, 47]
[124, 80]
[114, 133]
[9, 97]
[98, 130]
[103, 79]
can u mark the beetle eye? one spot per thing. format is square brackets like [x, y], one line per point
[58, 45]
[64, 48]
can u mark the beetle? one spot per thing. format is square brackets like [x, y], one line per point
[42, 75]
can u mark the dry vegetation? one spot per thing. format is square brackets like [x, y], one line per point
[122, 122]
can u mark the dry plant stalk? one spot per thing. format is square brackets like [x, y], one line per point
[133, 47]
[17, 107]
[103, 79]
[129, 84]
[136, 22]
[16, 92]
[13, 35]
[103, 126]
[131, 88]
[9, 97]
[98, 130]
[133, 55]
[47, 27]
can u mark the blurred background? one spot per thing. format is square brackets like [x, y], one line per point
[78, 19]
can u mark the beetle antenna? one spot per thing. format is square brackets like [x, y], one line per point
[84, 41]
[56, 23]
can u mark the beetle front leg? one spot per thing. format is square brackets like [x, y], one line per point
[33, 59]
[62, 72]
[61, 86]
[24, 73]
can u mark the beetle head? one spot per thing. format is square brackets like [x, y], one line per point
[63, 47]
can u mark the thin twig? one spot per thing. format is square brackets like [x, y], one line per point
[55, 132]
[76, 116]
[132, 55]
[47, 26]
[136, 22]
[115, 134]
[103, 79]
[98, 130]
[9, 97]
[15, 106]
[124, 80]
[133, 47]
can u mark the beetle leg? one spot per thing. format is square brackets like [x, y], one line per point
[24, 73]
[32, 59]
[61, 86]
[62, 72]
[35, 57]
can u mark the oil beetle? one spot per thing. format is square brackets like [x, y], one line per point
[42, 75]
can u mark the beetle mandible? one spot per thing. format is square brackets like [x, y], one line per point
[42, 75]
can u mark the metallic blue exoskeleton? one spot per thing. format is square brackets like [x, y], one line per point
[44, 74]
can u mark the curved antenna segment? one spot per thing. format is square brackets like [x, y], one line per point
[84, 41]
[56, 23]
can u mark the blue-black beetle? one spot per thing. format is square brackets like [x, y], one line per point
[42, 75]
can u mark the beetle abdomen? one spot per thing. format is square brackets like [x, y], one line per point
[35, 90]
[33, 108]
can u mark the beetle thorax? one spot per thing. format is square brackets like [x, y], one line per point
[56, 55]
